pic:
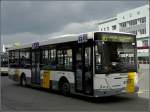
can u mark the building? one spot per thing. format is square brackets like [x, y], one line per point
[132, 21]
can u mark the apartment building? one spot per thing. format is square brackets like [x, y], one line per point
[134, 21]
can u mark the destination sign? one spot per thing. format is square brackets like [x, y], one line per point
[35, 45]
[82, 38]
[116, 38]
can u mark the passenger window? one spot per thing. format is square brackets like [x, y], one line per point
[49, 58]
[14, 58]
[25, 58]
[53, 57]
[68, 59]
[60, 59]
[98, 59]
[88, 58]
[11, 56]
[45, 57]
[64, 59]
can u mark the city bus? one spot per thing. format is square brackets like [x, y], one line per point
[4, 63]
[93, 64]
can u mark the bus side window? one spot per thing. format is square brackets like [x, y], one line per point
[60, 56]
[68, 59]
[87, 58]
[52, 58]
[11, 57]
[98, 62]
[16, 58]
[46, 57]
[25, 58]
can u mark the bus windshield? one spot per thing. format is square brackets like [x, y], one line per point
[116, 57]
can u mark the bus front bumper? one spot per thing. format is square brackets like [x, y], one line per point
[111, 92]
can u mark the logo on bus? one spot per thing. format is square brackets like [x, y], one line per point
[82, 38]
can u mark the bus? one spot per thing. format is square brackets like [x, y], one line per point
[4, 63]
[93, 64]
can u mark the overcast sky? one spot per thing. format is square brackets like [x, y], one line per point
[27, 21]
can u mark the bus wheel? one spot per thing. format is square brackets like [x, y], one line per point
[23, 81]
[65, 88]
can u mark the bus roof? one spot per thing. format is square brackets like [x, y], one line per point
[64, 38]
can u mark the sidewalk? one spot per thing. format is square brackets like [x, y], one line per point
[144, 82]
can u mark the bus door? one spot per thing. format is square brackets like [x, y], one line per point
[35, 70]
[84, 69]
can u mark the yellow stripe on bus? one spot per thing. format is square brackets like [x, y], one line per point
[130, 83]
[17, 73]
[46, 79]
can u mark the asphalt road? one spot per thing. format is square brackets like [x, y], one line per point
[17, 98]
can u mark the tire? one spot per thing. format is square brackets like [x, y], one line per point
[65, 88]
[23, 81]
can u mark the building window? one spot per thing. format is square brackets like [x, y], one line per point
[142, 31]
[142, 20]
[145, 42]
[138, 12]
[134, 32]
[104, 29]
[130, 15]
[129, 24]
[132, 22]
[107, 28]
[101, 29]
[114, 27]
[123, 24]
[123, 17]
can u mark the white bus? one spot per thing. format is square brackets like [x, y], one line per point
[94, 64]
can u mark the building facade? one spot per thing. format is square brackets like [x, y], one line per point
[134, 21]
